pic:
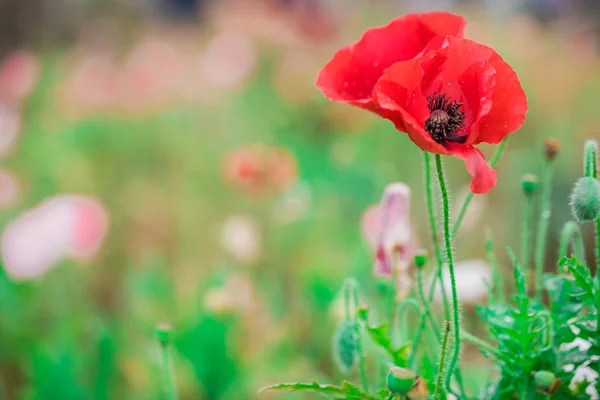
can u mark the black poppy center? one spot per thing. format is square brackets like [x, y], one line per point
[445, 120]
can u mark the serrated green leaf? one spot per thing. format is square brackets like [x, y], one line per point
[583, 279]
[380, 336]
[345, 391]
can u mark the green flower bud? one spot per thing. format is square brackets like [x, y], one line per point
[546, 382]
[362, 312]
[345, 345]
[400, 380]
[529, 183]
[421, 259]
[585, 199]
[164, 333]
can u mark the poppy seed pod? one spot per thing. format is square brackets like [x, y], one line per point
[164, 334]
[546, 382]
[400, 380]
[585, 199]
[552, 148]
[530, 183]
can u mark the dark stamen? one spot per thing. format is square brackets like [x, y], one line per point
[445, 120]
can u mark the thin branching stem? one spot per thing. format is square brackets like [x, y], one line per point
[478, 342]
[571, 234]
[526, 231]
[542, 229]
[450, 261]
[463, 209]
[493, 260]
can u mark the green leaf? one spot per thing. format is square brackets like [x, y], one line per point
[346, 391]
[583, 279]
[380, 336]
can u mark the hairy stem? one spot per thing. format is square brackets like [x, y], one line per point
[438, 383]
[493, 260]
[542, 230]
[352, 288]
[463, 209]
[450, 261]
[526, 232]
[434, 238]
[571, 234]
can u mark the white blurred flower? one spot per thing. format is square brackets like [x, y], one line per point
[10, 190]
[228, 59]
[471, 277]
[241, 238]
[584, 372]
[62, 226]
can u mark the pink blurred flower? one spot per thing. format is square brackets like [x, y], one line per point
[64, 226]
[260, 169]
[18, 75]
[228, 59]
[387, 228]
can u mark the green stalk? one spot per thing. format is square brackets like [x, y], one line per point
[438, 384]
[542, 230]
[434, 238]
[424, 316]
[526, 232]
[493, 260]
[478, 342]
[352, 287]
[463, 209]
[450, 261]
[571, 233]
[164, 336]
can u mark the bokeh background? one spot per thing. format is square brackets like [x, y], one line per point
[172, 161]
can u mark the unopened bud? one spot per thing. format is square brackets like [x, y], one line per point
[362, 312]
[345, 345]
[421, 259]
[400, 380]
[546, 382]
[552, 147]
[585, 199]
[529, 183]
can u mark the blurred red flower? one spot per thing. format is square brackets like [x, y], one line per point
[452, 99]
[260, 169]
[353, 71]
[18, 75]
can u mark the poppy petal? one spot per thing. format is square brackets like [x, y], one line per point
[353, 71]
[483, 176]
[509, 104]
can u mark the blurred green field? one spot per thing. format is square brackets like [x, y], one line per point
[249, 279]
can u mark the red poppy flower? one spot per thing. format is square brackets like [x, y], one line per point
[453, 98]
[353, 71]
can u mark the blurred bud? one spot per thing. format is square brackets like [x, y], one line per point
[400, 380]
[546, 382]
[362, 312]
[421, 259]
[164, 333]
[552, 147]
[529, 183]
[585, 199]
[345, 345]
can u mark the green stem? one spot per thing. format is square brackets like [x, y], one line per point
[571, 233]
[438, 384]
[434, 238]
[542, 230]
[167, 372]
[450, 261]
[493, 260]
[526, 232]
[478, 342]
[463, 209]
[353, 286]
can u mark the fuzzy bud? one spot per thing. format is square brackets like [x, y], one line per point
[345, 345]
[421, 259]
[164, 334]
[585, 199]
[529, 183]
[590, 159]
[552, 148]
[546, 382]
[400, 380]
